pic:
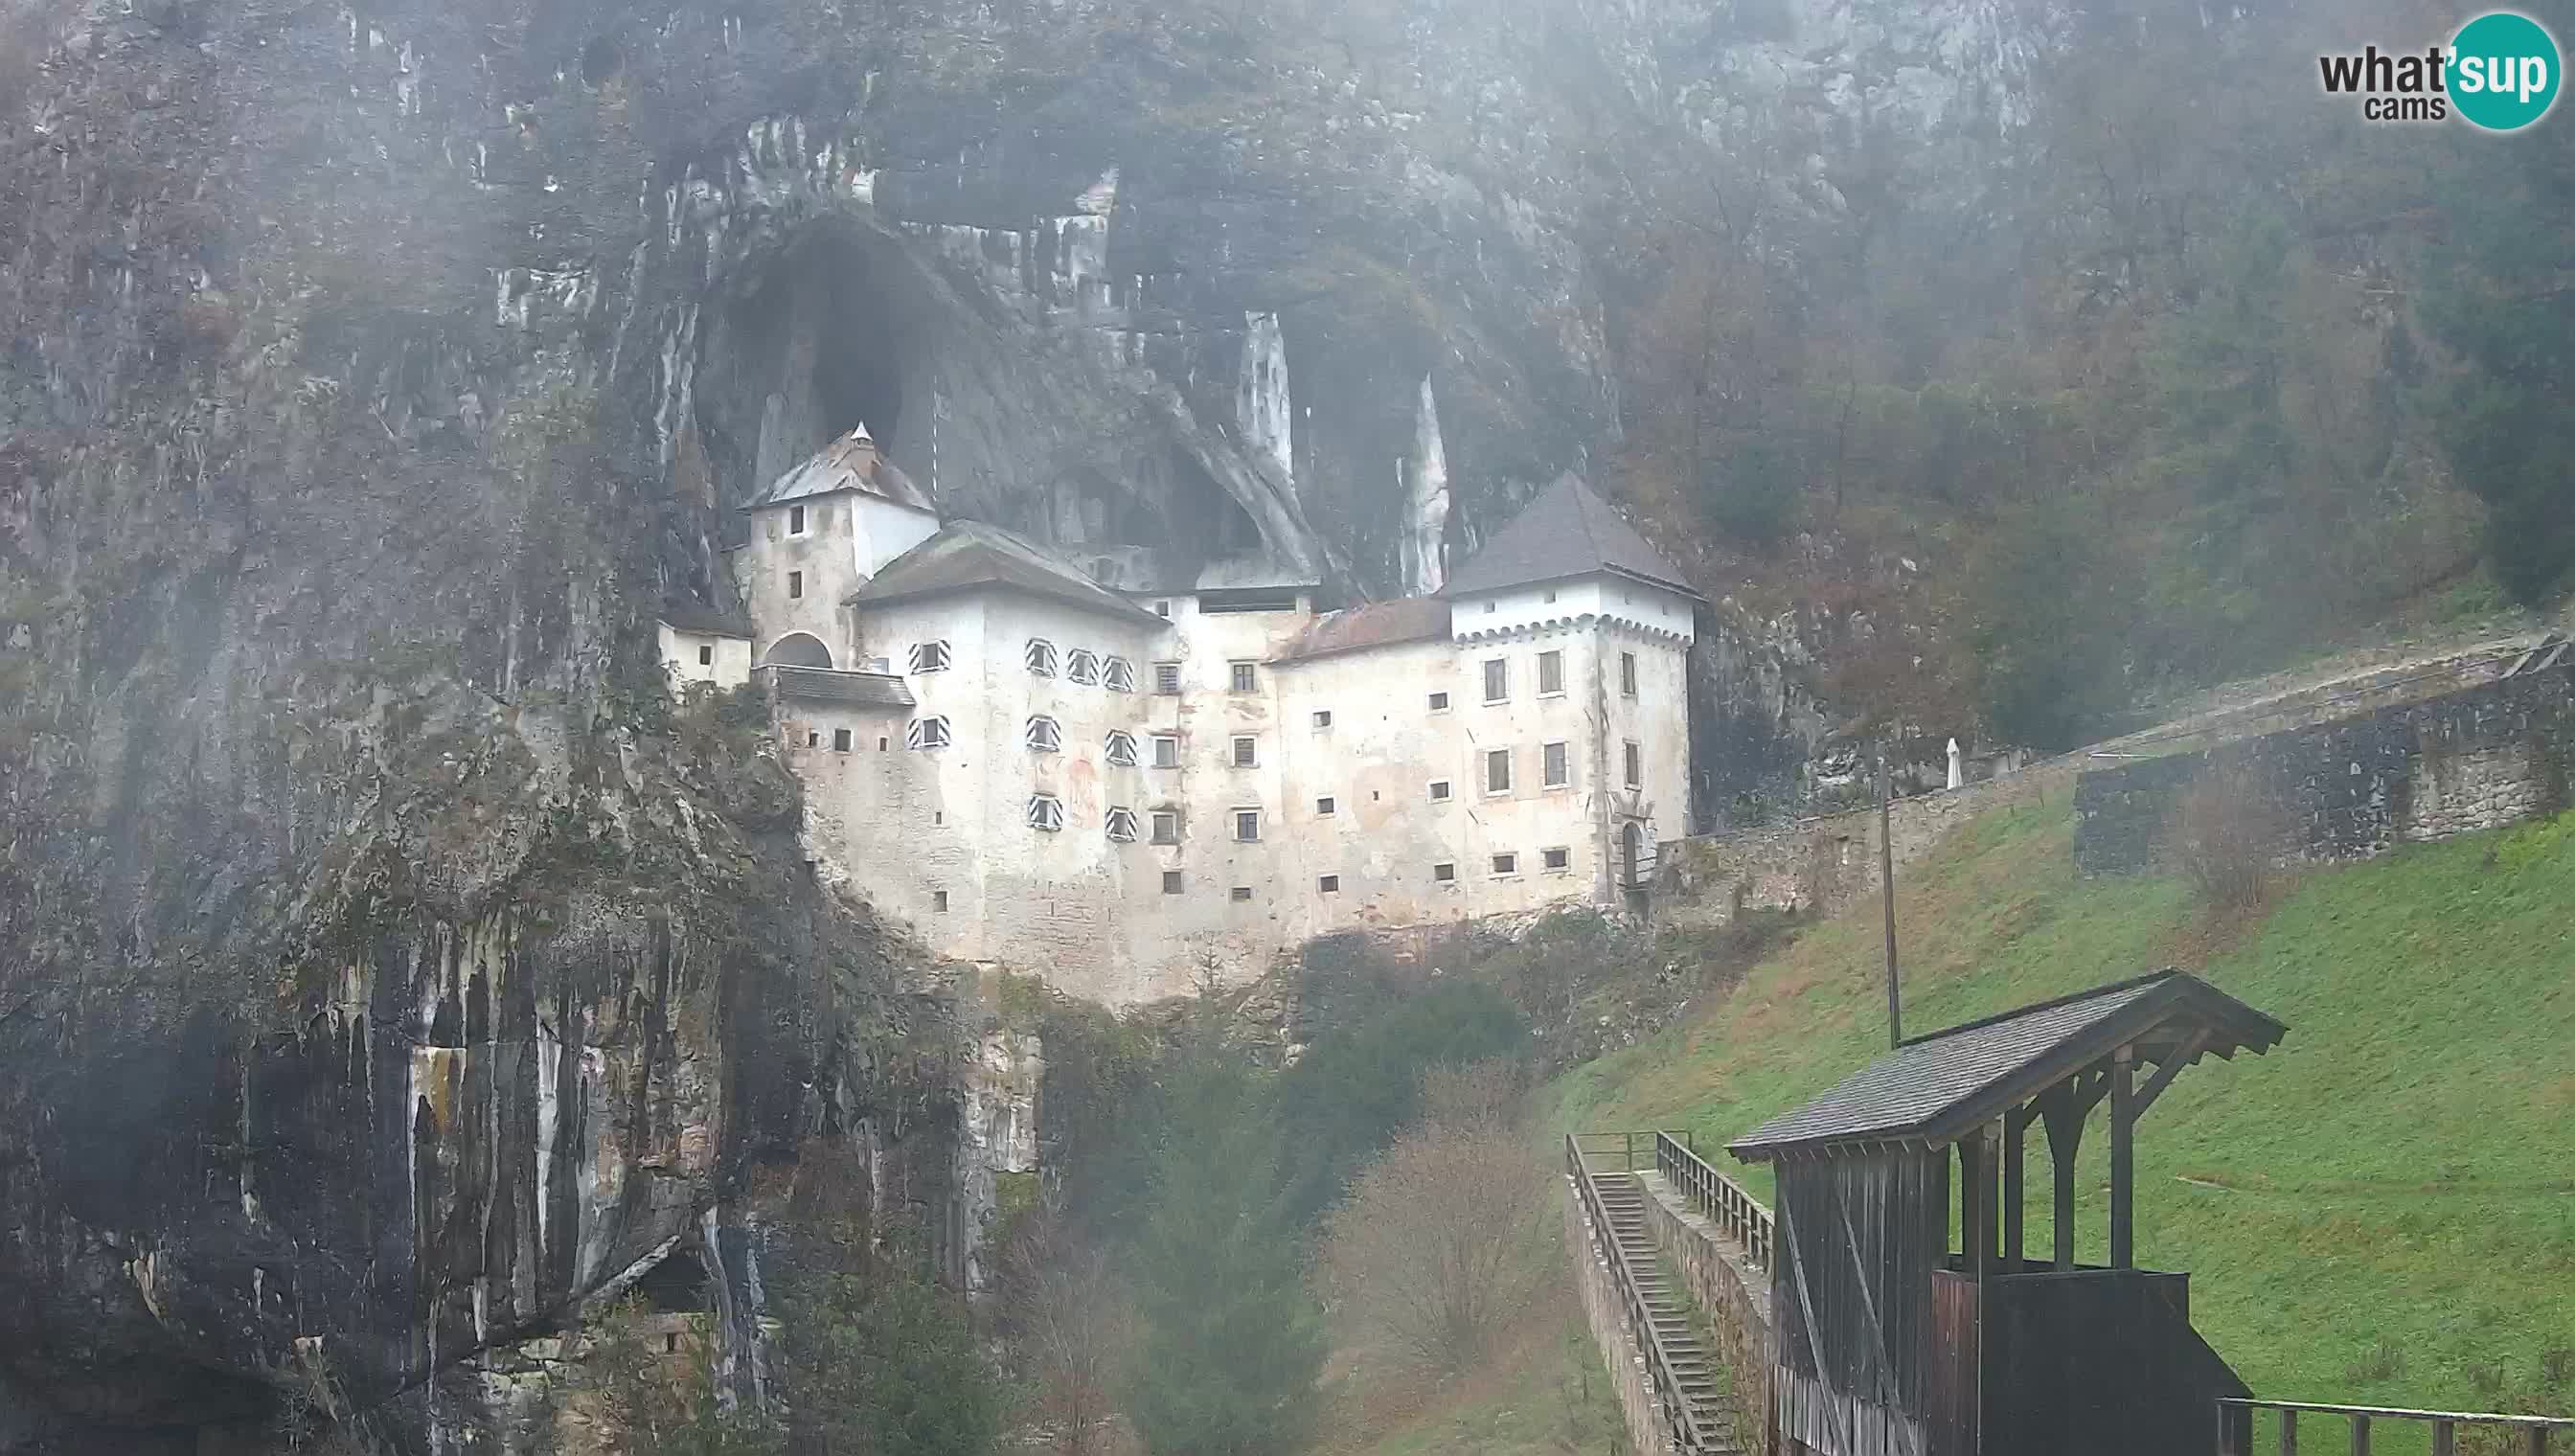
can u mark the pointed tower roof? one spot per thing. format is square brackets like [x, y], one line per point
[849, 463]
[1566, 531]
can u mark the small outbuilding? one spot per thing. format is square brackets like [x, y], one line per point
[1894, 1338]
[702, 645]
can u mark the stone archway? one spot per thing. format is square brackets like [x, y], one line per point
[796, 649]
[1631, 854]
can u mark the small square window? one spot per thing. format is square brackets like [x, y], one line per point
[1627, 674]
[671, 1342]
[1167, 679]
[1551, 594]
[1550, 674]
[1439, 791]
[794, 584]
[1166, 751]
[1324, 809]
[1162, 609]
[1242, 892]
[1491, 607]
[929, 657]
[813, 739]
[1122, 825]
[881, 743]
[1557, 860]
[1560, 767]
[1444, 873]
[1170, 882]
[1329, 884]
[1497, 680]
[1046, 812]
[1507, 864]
[1166, 826]
[1083, 665]
[840, 741]
[1636, 765]
[1438, 703]
[1247, 824]
[1323, 718]
[1498, 771]
[938, 901]
[1245, 679]
[795, 521]
[706, 656]
[1247, 752]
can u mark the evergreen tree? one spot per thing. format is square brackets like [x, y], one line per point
[1234, 1345]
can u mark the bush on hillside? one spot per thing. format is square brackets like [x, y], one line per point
[2230, 838]
[1442, 1246]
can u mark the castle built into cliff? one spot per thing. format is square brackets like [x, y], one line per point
[1112, 772]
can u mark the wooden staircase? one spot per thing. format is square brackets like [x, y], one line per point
[1693, 1369]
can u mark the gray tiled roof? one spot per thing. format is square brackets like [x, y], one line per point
[858, 690]
[970, 553]
[689, 615]
[850, 463]
[1937, 1086]
[1565, 531]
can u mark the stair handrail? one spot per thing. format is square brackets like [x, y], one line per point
[1717, 1197]
[1678, 1413]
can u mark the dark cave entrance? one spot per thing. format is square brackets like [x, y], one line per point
[814, 345]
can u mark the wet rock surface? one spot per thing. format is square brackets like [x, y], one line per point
[386, 967]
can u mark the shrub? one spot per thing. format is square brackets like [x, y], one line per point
[2229, 837]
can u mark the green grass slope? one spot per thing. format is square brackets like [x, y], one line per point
[2381, 1210]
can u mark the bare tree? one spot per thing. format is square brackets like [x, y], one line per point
[1441, 1245]
[2229, 836]
[1072, 1329]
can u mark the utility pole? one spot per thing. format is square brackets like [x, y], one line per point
[1887, 892]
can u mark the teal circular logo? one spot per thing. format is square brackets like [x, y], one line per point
[2503, 71]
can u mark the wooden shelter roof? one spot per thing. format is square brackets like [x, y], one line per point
[1935, 1088]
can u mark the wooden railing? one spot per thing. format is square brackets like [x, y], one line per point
[1660, 1364]
[1715, 1197]
[2235, 1425]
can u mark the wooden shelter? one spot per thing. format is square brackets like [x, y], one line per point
[1890, 1342]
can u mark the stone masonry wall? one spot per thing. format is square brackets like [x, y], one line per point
[1817, 865]
[1737, 1296]
[1647, 1435]
[2477, 758]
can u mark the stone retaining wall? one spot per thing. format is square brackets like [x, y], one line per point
[1584, 1247]
[2477, 758]
[1737, 1296]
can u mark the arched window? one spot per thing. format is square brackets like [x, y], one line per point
[1083, 667]
[1118, 675]
[1122, 826]
[1046, 812]
[1044, 736]
[1121, 747]
[1041, 657]
[930, 656]
[798, 649]
[926, 732]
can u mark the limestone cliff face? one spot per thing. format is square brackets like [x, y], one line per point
[384, 966]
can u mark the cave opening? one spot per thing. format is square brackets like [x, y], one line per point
[815, 344]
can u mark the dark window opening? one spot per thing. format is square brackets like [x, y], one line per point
[1323, 718]
[1217, 602]
[1323, 807]
[1507, 864]
[1438, 703]
[1244, 678]
[1627, 674]
[1444, 873]
[1557, 859]
[840, 741]
[795, 583]
[1329, 884]
[795, 521]
[1170, 882]
[1438, 789]
[1167, 677]
[1242, 891]
[938, 901]
[705, 654]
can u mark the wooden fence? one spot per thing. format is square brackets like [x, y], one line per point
[2235, 1426]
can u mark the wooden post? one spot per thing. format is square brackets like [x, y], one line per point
[2361, 1436]
[2288, 1433]
[2446, 1438]
[1886, 897]
[2016, 1193]
[2539, 1441]
[2123, 1159]
[1971, 1206]
[2064, 1135]
[2234, 1431]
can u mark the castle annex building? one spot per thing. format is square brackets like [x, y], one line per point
[1093, 767]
